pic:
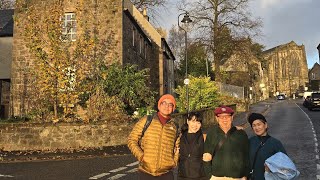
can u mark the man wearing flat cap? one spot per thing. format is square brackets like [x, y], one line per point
[262, 146]
[158, 151]
[226, 149]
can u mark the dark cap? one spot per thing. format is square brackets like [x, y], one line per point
[223, 109]
[256, 116]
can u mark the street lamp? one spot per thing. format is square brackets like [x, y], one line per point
[186, 19]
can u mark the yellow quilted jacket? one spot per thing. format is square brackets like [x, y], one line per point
[157, 154]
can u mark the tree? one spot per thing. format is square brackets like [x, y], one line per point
[61, 64]
[148, 3]
[197, 60]
[218, 23]
[152, 7]
[129, 84]
[198, 57]
[6, 4]
[203, 93]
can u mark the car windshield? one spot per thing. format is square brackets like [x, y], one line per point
[315, 95]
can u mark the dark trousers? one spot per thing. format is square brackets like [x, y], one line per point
[145, 176]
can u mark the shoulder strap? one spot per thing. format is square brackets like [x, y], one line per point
[145, 127]
[222, 140]
[262, 143]
[147, 124]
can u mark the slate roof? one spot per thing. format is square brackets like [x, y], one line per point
[6, 22]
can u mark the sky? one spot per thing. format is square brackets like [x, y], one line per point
[283, 21]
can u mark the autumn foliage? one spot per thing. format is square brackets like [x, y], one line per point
[69, 81]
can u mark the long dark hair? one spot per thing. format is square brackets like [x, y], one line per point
[192, 115]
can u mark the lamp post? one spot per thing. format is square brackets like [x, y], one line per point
[186, 19]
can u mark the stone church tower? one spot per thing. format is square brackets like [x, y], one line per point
[287, 68]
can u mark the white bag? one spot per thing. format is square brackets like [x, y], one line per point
[281, 168]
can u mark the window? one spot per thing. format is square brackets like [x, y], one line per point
[313, 76]
[69, 28]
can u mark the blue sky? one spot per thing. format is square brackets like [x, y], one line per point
[283, 21]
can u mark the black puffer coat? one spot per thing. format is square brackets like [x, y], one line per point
[191, 151]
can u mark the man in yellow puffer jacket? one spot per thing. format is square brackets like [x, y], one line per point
[158, 152]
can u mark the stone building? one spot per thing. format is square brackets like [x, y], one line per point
[126, 34]
[287, 68]
[244, 69]
[6, 33]
[314, 75]
[314, 78]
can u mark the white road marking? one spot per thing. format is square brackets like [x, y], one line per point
[99, 176]
[3, 175]
[119, 169]
[117, 176]
[134, 163]
[132, 170]
[315, 139]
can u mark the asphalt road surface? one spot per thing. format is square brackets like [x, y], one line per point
[297, 128]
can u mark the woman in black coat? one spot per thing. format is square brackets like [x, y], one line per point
[191, 149]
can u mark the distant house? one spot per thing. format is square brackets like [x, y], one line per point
[246, 70]
[287, 68]
[6, 33]
[127, 35]
[314, 75]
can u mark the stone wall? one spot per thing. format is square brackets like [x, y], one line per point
[17, 137]
[51, 137]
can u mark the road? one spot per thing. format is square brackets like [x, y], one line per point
[297, 127]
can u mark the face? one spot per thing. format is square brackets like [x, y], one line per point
[166, 107]
[224, 120]
[259, 127]
[193, 125]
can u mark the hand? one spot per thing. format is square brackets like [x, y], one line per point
[176, 150]
[207, 157]
[266, 168]
[240, 127]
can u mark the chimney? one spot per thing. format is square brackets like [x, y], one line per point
[144, 13]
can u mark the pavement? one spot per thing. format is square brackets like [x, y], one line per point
[18, 156]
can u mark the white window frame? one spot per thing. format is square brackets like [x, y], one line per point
[69, 26]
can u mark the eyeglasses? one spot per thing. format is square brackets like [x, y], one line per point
[167, 104]
[224, 117]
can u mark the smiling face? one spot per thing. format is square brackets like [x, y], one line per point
[259, 127]
[193, 125]
[166, 107]
[225, 120]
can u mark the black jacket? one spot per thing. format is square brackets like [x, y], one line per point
[191, 152]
